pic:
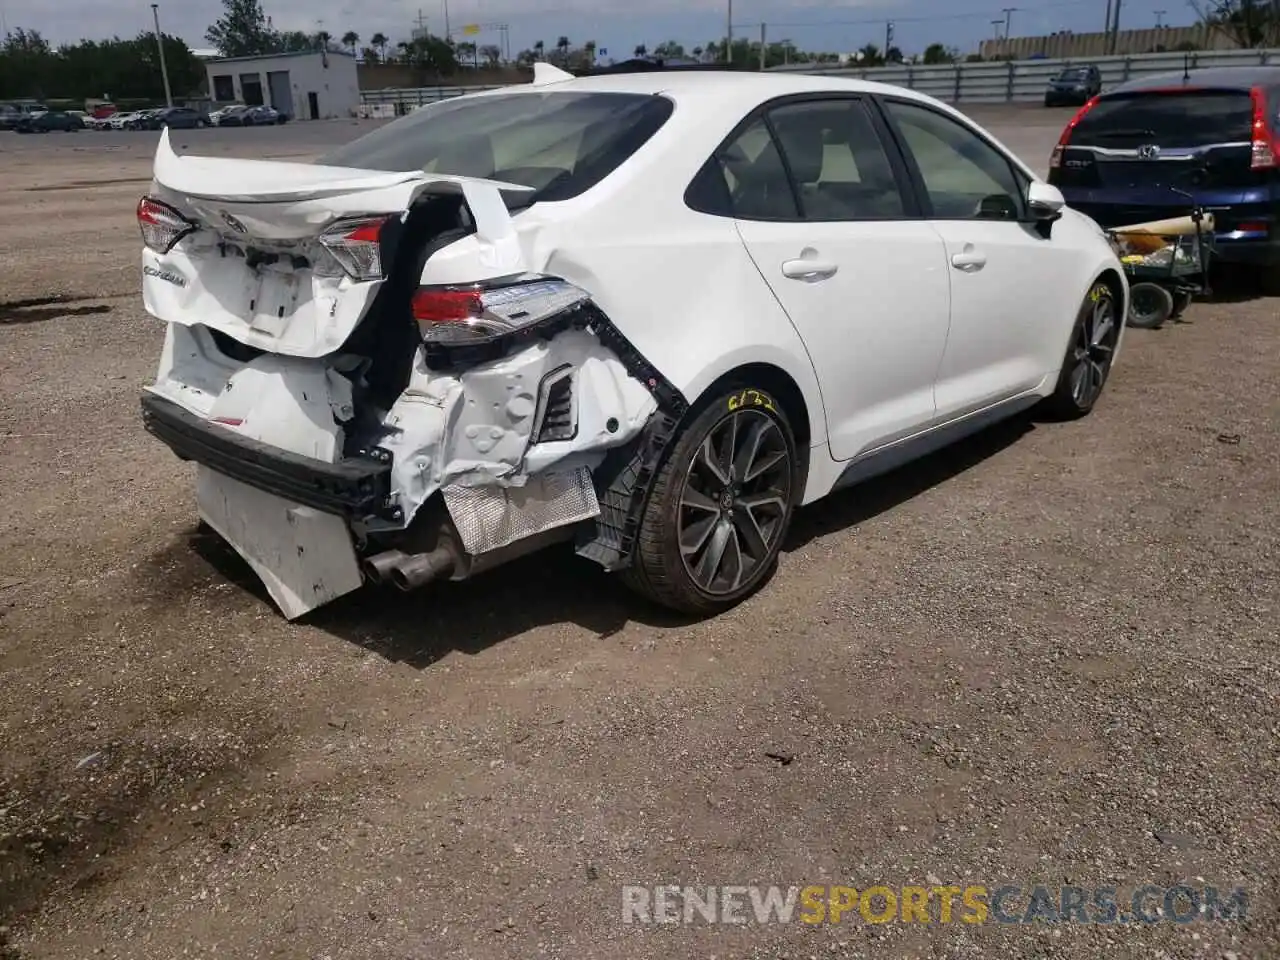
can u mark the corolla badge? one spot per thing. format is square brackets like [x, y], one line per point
[233, 223]
[1149, 151]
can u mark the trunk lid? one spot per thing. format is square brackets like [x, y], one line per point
[257, 265]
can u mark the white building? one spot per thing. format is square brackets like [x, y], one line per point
[306, 86]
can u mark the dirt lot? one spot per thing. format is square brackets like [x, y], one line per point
[1049, 656]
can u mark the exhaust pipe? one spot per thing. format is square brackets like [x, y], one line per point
[378, 567]
[421, 568]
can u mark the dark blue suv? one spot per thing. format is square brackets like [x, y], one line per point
[1152, 148]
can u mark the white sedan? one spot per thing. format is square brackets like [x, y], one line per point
[651, 314]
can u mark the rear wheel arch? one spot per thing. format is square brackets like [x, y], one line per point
[782, 387]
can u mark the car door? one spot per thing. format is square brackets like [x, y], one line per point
[1006, 289]
[830, 222]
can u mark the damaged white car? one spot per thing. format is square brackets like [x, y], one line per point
[650, 313]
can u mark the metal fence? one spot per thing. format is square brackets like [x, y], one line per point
[1003, 82]
[1025, 80]
[394, 101]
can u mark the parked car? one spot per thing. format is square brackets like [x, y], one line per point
[261, 117]
[143, 120]
[179, 118]
[49, 121]
[81, 116]
[1073, 86]
[215, 116]
[121, 121]
[232, 116]
[9, 116]
[850, 275]
[1152, 148]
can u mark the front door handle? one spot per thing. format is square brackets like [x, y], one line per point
[969, 260]
[808, 269]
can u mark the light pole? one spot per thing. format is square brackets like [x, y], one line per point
[1160, 18]
[728, 35]
[164, 70]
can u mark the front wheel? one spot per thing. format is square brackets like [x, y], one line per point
[1087, 364]
[719, 507]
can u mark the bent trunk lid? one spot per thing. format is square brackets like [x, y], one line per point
[254, 268]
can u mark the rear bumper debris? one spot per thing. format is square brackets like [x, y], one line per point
[354, 487]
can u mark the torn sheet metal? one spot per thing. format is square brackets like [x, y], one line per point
[491, 517]
[305, 558]
[475, 429]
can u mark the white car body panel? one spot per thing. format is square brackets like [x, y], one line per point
[897, 344]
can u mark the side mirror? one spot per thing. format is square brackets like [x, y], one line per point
[1045, 200]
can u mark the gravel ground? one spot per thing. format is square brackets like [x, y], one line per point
[1046, 656]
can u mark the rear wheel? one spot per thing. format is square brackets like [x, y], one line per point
[719, 507]
[1087, 364]
[1269, 280]
[1150, 305]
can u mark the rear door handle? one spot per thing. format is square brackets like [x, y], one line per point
[808, 270]
[969, 260]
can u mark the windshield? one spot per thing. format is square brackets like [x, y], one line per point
[560, 144]
[1076, 74]
[1194, 118]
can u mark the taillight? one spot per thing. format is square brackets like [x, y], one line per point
[1266, 149]
[356, 245]
[1055, 159]
[477, 314]
[161, 225]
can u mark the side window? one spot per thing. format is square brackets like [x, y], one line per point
[837, 160]
[964, 176]
[755, 177]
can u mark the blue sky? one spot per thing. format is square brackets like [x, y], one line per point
[838, 26]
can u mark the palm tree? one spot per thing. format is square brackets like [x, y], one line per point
[562, 47]
[349, 40]
[697, 54]
[322, 39]
[492, 53]
[406, 51]
[379, 42]
[641, 50]
[538, 49]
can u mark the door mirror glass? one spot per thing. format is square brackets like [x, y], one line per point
[1045, 200]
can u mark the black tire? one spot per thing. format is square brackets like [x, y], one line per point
[1180, 303]
[1087, 363]
[1269, 280]
[701, 500]
[1150, 305]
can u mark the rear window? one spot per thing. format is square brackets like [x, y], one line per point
[560, 144]
[1184, 119]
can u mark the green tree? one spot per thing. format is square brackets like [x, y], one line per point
[349, 40]
[242, 30]
[539, 49]
[670, 50]
[938, 53]
[379, 42]
[492, 54]
[641, 50]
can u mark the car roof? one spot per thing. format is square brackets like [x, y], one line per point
[1221, 78]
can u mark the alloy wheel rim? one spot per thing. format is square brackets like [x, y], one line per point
[1093, 348]
[734, 502]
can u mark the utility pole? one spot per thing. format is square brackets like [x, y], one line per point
[762, 36]
[888, 39]
[728, 35]
[1008, 15]
[447, 33]
[1115, 27]
[1160, 18]
[164, 70]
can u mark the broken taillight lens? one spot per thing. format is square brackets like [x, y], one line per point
[1265, 153]
[475, 314]
[161, 225]
[356, 245]
[1055, 159]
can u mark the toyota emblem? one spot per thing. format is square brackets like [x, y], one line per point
[233, 223]
[1149, 151]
